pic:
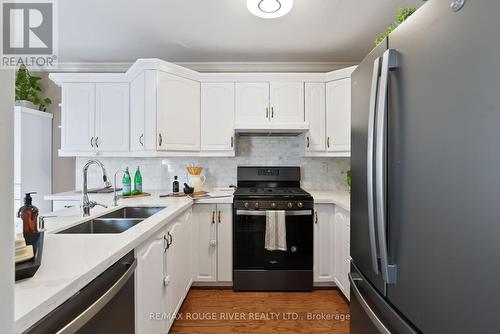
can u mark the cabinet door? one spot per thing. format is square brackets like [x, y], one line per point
[150, 290]
[137, 112]
[252, 104]
[324, 243]
[341, 250]
[205, 243]
[315, 109]
[287, 102]
[178, 113]
[174, 265]
[217, 116]
[78, 117]
[112, 117]
[224, 243]
[338, 115]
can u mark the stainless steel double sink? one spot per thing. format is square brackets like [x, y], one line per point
[117, 221]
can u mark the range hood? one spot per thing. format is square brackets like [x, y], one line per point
[272, 130]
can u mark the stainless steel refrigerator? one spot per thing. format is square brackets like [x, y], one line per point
[425, 205]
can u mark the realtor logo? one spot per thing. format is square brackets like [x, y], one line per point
[28, 33]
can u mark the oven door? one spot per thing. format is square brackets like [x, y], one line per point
[249, 236]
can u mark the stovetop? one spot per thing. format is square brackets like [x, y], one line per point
[271, 192]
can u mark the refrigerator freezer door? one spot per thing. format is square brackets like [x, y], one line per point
[443, 168]
[364, 82]
[370, 313]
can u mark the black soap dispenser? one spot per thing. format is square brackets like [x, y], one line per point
[29, 215]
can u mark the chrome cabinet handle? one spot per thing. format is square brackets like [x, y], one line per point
[263, 213]
[160, 139]
[170, 239]
[165, 243]
[307, 139]
[389, 62]
[272, 112]
[98, 305]
[315, 217]
[219, 218]
[213, 217]
[369, 165]
[267, 112]
[92, 142]
[97, 142]
[232, 141]
[141, 139]
[328, 142]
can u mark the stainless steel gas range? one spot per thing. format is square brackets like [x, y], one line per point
[261, 191]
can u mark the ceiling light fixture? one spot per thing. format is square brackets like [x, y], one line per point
[269, 9]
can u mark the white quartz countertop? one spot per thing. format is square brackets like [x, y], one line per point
[338, 197]
[71, 261]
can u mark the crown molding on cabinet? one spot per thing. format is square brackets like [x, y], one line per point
[219, 67]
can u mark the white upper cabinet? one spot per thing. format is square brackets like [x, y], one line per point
[338, 115]
[78, 117]
[315, 109]
[178, 114]
[252, 104]
[95, 117]
[287, 102]
[217, 117]
[112, 117]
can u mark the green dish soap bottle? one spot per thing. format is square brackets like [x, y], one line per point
[126, 184]
[137, 182]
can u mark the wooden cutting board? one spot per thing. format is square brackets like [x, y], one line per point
[198, 193]
[136, 196]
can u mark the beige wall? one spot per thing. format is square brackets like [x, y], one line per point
[7, 201]
[63, 169]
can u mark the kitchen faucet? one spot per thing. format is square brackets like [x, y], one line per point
[86, 203]
[115, 196]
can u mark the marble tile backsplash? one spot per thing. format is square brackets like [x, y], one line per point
[158, 173]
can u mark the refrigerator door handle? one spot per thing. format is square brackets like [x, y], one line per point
[389, 62]
[366, 307]
[369, 165]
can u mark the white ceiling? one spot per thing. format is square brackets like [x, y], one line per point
[220, 30]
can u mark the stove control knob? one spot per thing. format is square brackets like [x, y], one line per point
[290, 205]
[246, 205]
[300, 205]
[256, 205]
[273, 205]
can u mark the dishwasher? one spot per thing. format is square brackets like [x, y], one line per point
[105, 305]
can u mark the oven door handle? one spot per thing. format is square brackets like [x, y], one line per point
[263, 212]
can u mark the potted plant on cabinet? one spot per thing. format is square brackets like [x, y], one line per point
[28, 91]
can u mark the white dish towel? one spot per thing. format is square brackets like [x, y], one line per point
[275, 230]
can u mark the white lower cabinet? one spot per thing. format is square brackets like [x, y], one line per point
[342, 253]
[331, 246]
[324, 243]
[212, 243]
[163, 276]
